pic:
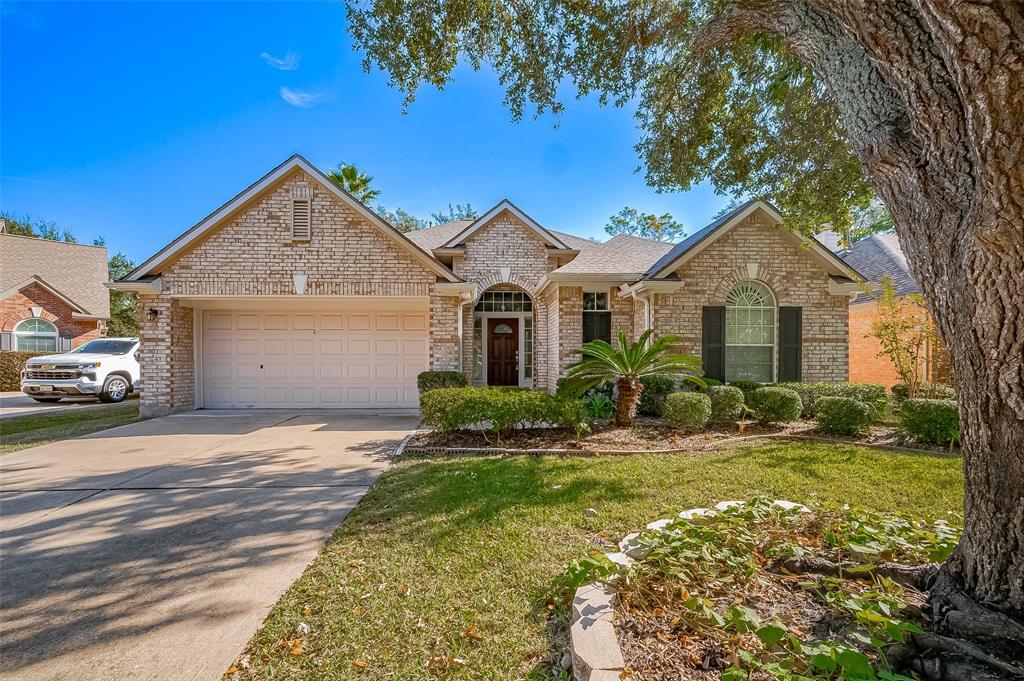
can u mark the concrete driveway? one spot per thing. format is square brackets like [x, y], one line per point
[154, 550]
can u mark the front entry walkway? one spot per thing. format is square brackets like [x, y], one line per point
[154, 550]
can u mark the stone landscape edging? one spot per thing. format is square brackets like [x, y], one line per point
[593, 645]
[513, 451]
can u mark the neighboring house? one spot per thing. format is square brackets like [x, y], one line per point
[295, 294]
[877, 256]
[53, 295]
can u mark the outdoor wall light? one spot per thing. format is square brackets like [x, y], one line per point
[153, 314]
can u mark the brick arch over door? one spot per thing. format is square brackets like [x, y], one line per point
[492, 281]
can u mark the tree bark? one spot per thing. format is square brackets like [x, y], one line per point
[628, 399]
[932, 97]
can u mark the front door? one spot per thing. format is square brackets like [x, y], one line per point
[503, 351]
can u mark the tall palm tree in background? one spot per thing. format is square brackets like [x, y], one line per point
[351, 179]
[625, 367]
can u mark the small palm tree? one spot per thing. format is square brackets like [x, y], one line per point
[602, 363]
[355, 182]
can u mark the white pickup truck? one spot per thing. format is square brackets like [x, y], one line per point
[105, 367]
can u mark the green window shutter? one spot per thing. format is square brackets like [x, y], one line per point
[790, 343]
[713, 342]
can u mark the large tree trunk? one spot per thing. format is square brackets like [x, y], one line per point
[932, 97]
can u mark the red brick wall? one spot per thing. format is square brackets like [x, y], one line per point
[18, 307]
[865, 364]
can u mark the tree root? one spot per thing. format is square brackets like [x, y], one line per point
[915, 576]
[968, 641]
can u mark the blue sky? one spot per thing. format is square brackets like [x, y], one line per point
[133, 120]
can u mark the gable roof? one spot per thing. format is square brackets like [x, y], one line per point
[75, 273]
[437, 236]
[880, 255]
[690, 246]
[296, 161]
[548, 236]
[624, 254]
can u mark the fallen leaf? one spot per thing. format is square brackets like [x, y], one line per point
[360, 663]
[232, 670]
[471, 633]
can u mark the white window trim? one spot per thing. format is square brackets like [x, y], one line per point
[775, 330]
[17, 335]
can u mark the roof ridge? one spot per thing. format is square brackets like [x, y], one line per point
[53, 241]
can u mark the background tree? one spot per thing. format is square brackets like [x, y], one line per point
[815, 105]
[402, 220]
[646, 225]
[354, 181]
[875, 219]
[457, 211]
[41, 229]
[904, 333]
[124, 307]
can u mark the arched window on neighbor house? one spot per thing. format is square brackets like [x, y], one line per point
[35, 335]
[750, 333]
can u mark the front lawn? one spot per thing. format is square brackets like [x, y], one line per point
[19, 432]
[443, 568]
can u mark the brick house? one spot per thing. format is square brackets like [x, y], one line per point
[52, 294]
[875, 257]
[295, 294]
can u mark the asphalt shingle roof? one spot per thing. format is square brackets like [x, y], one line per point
[689, 242]
[77, 271]
[880, 255]
[622, 254]
[434, 237]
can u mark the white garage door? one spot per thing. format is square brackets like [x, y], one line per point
[313, 358]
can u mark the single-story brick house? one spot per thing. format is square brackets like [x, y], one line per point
[53, 295]
[296, 294]
[875, 257]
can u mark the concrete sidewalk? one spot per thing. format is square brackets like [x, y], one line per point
[154, 550]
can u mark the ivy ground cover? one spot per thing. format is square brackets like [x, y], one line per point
[446, 567]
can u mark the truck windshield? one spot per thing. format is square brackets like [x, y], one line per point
[107, 347]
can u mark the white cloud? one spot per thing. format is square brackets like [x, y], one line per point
[288, 62]
[303, 99]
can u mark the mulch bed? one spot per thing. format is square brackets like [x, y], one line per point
[649, 434]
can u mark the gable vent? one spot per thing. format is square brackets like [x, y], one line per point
[302, 210]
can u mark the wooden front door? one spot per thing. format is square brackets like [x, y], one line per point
[503, 351]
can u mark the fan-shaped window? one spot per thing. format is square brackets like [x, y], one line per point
[35, 335]
[502, 329]
[749, 333]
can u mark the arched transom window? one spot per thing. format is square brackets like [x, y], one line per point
[35, 335]
[749, 333]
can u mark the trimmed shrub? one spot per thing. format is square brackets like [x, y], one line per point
[11, 364]
[842, 415]
[748, 388]
[652, 399]
[871, 394]
[687, 410]
[928, 391]
[773, 404]
[931, 421]
[726, 403]
[708, 381]
[452, 409]
[432, 380]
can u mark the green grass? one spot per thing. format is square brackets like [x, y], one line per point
[19, 432]
[437, 546]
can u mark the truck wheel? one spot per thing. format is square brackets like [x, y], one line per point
[46, 399]
[115, 389]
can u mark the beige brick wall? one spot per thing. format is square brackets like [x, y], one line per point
[755, 249]
[622, 315]
[253, 254]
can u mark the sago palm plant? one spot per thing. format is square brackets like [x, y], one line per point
[625, 367]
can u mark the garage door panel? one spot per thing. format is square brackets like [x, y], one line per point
[313, 358]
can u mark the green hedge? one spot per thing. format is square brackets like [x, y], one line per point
[842, 415]
[774, 404]
[871, 394]
[432, 380]
[748, 388]
[652, 399]
[726, 403]
[688, 410]
[929, 391]
[11, 364]
[931, 421]
[452, 409]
